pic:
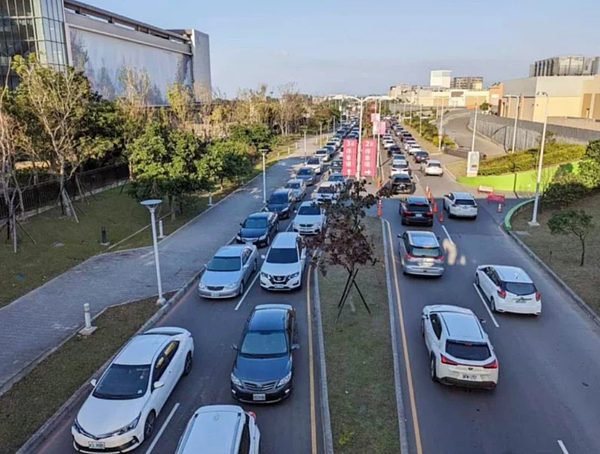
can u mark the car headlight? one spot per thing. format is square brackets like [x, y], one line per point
[236, 381]
[265, 275]
[231, 286]
[129, 427]
[285, 380]
[77, 427]
[201, 286]
[293, 276]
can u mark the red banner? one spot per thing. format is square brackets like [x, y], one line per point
[379, 127]
[368, 163]
[350, 150]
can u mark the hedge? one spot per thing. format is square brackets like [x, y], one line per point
[521, 161]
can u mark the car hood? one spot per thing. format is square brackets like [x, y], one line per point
[276, 206]
[252, 233]
[261, 369]
[280, 269]
[218, 278]
[103, 416]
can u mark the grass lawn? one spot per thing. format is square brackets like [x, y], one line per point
[425, 144]
[30, 402]
[359, 359]
[562, 253]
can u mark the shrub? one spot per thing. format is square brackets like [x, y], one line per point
[564, 192]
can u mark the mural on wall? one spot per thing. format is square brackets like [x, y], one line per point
[102, 58]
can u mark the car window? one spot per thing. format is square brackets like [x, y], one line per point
[421, 208]
[305, 172]
[123, 382]
[282, 255]
[245, 256]
[519, 288]
[425, 251]
[313, 161]
[436, 325]
[465, 202]
[278, 198]
[310, 210]
[245, 440]
[254, 223]
[171, 349]
[468, 350]
[293, 185]
[433, 164]
[327, 190]
[224, 264]
[264, 343]
[159, 367]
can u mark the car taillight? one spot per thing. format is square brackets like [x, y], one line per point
[251, 413]
[492, 365]
[502, 293]
[409, 255]
[439, 257]
[448, 361]
[408, 212]
[429, 213]
[538, 296]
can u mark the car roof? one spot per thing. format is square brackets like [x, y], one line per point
[512, 274]
[423, 238]
[142, 349]
[463, 195]
[462, 326]
[434, 161]
[309, 203]
[285, 240]
[295, 180]
[327, 184]
[231, 250]
[417, 200]
[213, 429]
[259, 215]
[268, 317]
[281, 191]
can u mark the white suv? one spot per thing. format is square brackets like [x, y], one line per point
[460, 352]
[284, 263]
[460, 205]
[329, 190]
[508, 289]
[310, 218]
[432, 167]
[237, 431]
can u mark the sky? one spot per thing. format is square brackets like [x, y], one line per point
[364, 47]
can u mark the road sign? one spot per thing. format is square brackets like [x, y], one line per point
[473, 164]
[379, 128]
[368, 158]
[349, 157]
[375, 117]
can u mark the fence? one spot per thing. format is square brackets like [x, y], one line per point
[45, 195]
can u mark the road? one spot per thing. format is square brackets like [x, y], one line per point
[292, 426]
[456, 127]
[547, 399]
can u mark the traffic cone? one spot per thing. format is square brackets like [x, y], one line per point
[499, 210]
[379, 208]
[441, 216]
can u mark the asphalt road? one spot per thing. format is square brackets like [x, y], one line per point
[547, 399]
[292, 426]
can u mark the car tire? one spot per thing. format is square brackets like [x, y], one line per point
[149, 425]
[493, 305]
[477, 280]
[433, 369]
[403, 221]
[422, 328]
[241, 289]
[189, 362]
[255, 265]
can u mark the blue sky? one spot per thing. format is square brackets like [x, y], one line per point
[364, 47]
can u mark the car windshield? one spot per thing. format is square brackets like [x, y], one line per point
[401, 178]
[309, 210]
[467, 350]
[327, 190]
[278, 199]
[336, 178]
[465, 202]
[425, 251]
[123, 382]
[435, 164]
[224, 264]
[313, 161]
[264, 343]
[321, 152]
[293, 185]
[254, 223]
[282, 255]
[520, 288]
[418, 208]
[307, 172]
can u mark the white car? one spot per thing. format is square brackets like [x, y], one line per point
[298, 187]
[460, 352]
[432, 167]
[237, 431]
[508, 289]
[400, 167]
[323, 154]
[284, 263]
[121, 411]
[329, 190]
[388, 144]
[315, 163]
[310, 219]
[460, 205]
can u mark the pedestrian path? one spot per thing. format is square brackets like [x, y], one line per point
[42, 319]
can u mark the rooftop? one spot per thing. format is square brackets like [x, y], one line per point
[142, 349]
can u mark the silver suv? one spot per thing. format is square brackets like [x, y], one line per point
[421, 253]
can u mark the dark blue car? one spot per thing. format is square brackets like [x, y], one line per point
[259, 229]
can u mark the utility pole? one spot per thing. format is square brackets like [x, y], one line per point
[536, 202]
[514, 142]
[474, 127]
[420, 119]
[360, 128]
[441, 131]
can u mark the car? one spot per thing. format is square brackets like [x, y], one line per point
[337, 177]
[281, 202]
[328, 191]
[121, 411]
[399, 159]
[307, 174]
[263, 370]
[336, 165]
[394, 149]
[400, 167]
[284, 263]
[460, 205]
[460, 351]
[416, 210]
[237, 431]
[420, 156]
[324, 154]
[508, 289]
[388, 145]
[228, 272]
[421, 253]
[259, 229]
[298, 188]
[315, 164]
[401, 184]
[310, 219]
[432, 167]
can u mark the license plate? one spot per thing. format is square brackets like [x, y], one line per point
[469, 377]
[96, 444]
[279, 286]
[259, 397]
[418, 215]
[214, 294]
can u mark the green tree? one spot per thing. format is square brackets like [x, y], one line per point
[255, 136]
[485, 106]
[225, 160]
[589, 167]
[572, 222]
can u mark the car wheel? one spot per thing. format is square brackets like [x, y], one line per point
[477, 280]
[241, 292]
[189, 361]
[422, 328]
[403, 222]
[492, 305]
[433, 369]
[255, 265]
[149, 425]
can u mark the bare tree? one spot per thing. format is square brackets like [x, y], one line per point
[133, 101]
[181, 100]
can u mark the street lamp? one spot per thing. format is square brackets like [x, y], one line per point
[474, 127]
[536, 202]
[514, 141]
[264, 152]
[152, 204]
[441, 131]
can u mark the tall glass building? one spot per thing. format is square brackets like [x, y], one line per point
[28, 26]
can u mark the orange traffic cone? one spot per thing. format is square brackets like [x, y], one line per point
[379, 208]
[441, 216]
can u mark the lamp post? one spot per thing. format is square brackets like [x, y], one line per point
[264, 152]
[536, 202]
[152, 204]
[514, 141]
[474, 127]
[420, 118]
[441, 131]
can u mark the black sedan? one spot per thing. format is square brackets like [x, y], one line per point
[263, 370]
[281, 202]
[258, 229]
[416, 210]
[402, 184]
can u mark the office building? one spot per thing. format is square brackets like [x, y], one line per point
[468, 83]
[569, 65]
[440, 78]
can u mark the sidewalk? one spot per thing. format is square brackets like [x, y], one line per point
[40, 320]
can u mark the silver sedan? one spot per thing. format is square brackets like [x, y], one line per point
[229, 271]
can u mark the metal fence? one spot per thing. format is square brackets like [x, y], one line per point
[43, 195]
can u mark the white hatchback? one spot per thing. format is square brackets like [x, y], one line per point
[460, 205]
[460, 352]
[432, 167]
[121, 411]
[508, 289]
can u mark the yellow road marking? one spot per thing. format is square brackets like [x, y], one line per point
[411, 393]
[311, 368]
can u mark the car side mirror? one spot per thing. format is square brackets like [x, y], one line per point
[158, 384]
[205, 266]
[235, 347]
[295, 346]
[399, 235]
[241, 224]
[246, 266]
[483, 322]
[426, 317]
[263, 256]
[93, 382]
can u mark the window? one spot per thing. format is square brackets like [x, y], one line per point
[436, 325]
[253, 223]
[309, 210]
[425, 251]
[123, 382]
[283, 255]
[279, 198]
[520, 288]
[465, 202]
[159, 368]
[468, 351]
[264, 343]
[245, 256]
[171, 350]
[224, 264]
[245, 441]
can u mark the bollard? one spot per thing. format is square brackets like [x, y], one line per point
[103, 240]
[210, 202]
[161, 234]
[88, 329]
[296, 145]
[499, 210]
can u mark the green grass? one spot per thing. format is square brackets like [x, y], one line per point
[30, 402]
[425, 144]
[359, 360]
[563, 253]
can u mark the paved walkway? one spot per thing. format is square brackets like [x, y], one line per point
[45, 317]
[457, 129]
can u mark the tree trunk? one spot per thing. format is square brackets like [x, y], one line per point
[172, 206]
[63, 193]
[582, 251]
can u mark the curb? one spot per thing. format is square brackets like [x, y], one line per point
[325, 415]
[46, 430]
[510, 213]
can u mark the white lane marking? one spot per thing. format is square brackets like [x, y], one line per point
[416, 177]
[162, 429]
[486, 305]
[447, 234]
[562, 447]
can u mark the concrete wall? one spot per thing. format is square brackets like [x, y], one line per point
[580, 123]
[500, 130]
[201, 62]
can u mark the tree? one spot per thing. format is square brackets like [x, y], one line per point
[572, 222]
[181, 101]
[255, 136]
[224, 160]
[485, 106]
[589, 167]
[133, 102]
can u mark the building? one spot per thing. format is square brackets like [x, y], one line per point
[400, 90]
[569, 65]
[440, 78]
[468, 83]
[103, 45]
[452, 98]
[495, 101]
